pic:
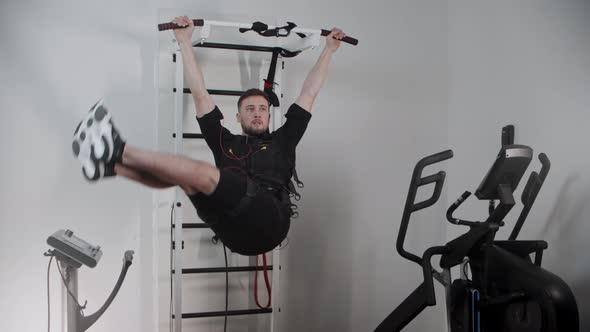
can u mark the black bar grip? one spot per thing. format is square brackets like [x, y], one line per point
[236, 47]
[533, 182]
[411, 206]
[454, 207]
[193, 225]
[224, 313]
[435, 158]
[193, 135]
[223, 269]
[529, 194]
[346, 39]
[546, 165]
[508, 135]
[171, 26]
[128, 257]
[439, 179]
[430, 179]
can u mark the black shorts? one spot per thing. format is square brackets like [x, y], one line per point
[258, 227]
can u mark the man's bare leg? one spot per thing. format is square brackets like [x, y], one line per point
[141, 177]
[96, 141]
[191, 175]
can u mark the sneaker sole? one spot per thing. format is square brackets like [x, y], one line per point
[92, 142]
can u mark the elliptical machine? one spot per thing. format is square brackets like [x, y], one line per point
[508, 291]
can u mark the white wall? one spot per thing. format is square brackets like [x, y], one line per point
[426, 75]
[526, 64]
[57, 59]
[383, 108]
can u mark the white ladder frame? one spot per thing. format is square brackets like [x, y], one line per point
[277, 121]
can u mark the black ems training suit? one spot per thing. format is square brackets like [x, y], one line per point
[250, 209]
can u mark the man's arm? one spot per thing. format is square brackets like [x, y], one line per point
[194, 77]
[316, 77]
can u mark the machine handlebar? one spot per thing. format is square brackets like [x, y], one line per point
[410, 207]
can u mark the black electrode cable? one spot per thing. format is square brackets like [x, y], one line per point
[226, 289]
[48, 296]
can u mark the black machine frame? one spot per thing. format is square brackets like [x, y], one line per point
[508, 290]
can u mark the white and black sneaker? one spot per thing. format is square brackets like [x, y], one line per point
[97, 144]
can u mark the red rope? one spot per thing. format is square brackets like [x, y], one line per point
[268, 289]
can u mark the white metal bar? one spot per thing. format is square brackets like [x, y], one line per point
[277, 122]
[249, 26]
[311, 40]
[178, 130]
[205, 32]
[299, 45]
[277, 111]
[155, 280]
[275, 297]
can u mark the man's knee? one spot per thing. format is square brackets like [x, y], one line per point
[189, 190]
[210, 181]
[205, 180]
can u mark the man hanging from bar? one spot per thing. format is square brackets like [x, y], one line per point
[245, 198]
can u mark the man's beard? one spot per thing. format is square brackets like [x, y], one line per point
[251, 131]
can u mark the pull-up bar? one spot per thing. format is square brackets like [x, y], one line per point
[261, 28]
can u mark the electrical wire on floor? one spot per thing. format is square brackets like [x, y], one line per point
[226, 288]
[48, 296]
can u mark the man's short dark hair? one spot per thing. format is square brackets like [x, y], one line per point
[253, 92]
